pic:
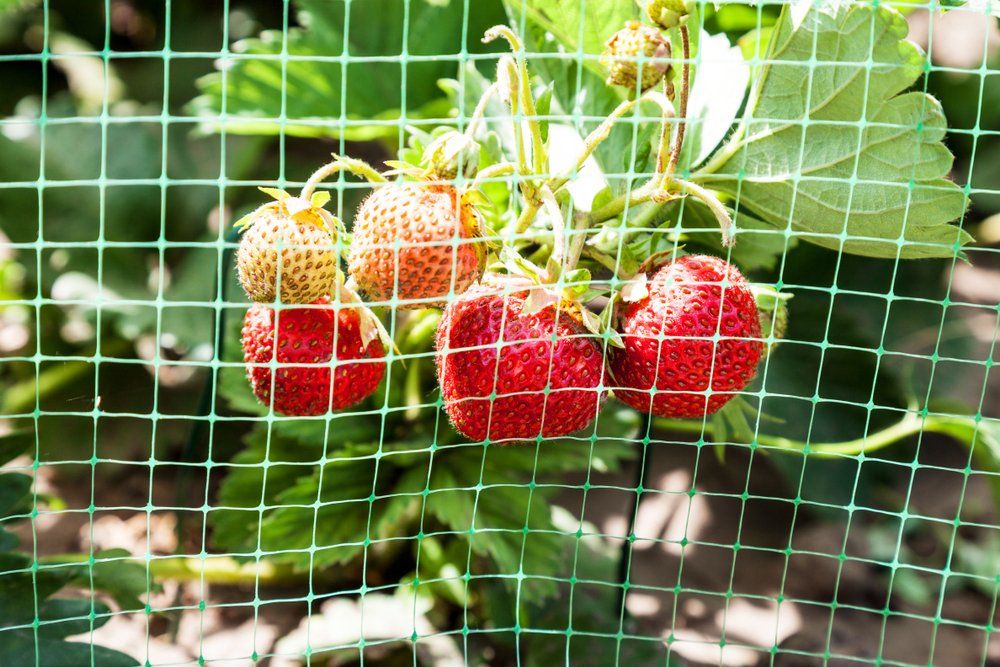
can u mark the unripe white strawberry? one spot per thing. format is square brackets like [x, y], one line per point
[288, 242]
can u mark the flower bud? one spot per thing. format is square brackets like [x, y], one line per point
[666, 13]
[451, 152]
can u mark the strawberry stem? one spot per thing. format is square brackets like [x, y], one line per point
[577, 242]
[662, 153]
[912, 424]
[713, 203]
[593, 140]
[493, 171]
[603, 131]
[520, 89]
[480, 111]
[339, 164]
[558, 227]
[675, 154]
[527, 216]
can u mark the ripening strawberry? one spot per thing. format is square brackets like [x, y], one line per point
[418, 241]
[298, 230]
[669, 339]
[495, 363]
[309, 343]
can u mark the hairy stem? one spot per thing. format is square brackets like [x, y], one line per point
[527, 216]
[339, 164]
[910, 425]
[616, 206]
[480, 111]
[593, 140]
[663, 152]
[558, 226]
[493, 171]
[713, 203]
[540, 158]
[675, 154]
[578, 242]
[522, 83]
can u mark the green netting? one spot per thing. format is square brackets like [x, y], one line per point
[841, 510]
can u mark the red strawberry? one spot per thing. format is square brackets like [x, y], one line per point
[306, 336]
[437, 232]
[668, 338]
[495, 363]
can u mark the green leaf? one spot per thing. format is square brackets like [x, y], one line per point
[61, 618]
[579, 26]
[836, 148]
[311, 94]
[20, 588]
[116, 574]
[20, 648]
[348, 514]
[15, 490]
[543, 106]
[508, 523]
[235, 388]
[14, 444]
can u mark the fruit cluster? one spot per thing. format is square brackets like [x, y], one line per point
[520, 354]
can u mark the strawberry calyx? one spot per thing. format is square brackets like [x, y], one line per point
[370, 325]
[300, 209]
[568, 291]
[450, 154]
[772, 308]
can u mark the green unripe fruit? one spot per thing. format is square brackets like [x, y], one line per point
[626, 46]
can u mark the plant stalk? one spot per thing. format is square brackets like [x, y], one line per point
[339, 164]
[714, 205]
[675, 154]
[493, 171]
[910, 425]
[480, 111]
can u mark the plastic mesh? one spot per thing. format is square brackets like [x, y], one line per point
[853, 525]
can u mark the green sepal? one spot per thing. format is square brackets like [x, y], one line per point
[276, 193]
[519, 266]
[772, 309]
[401, 168]
[247, 220]
[577, 283]
[608, 321]
[320, 199]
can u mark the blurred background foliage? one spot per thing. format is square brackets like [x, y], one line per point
[182, 142]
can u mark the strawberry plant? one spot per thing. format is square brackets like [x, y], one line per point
[555, 239]
[555, 297]
[34, 622]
